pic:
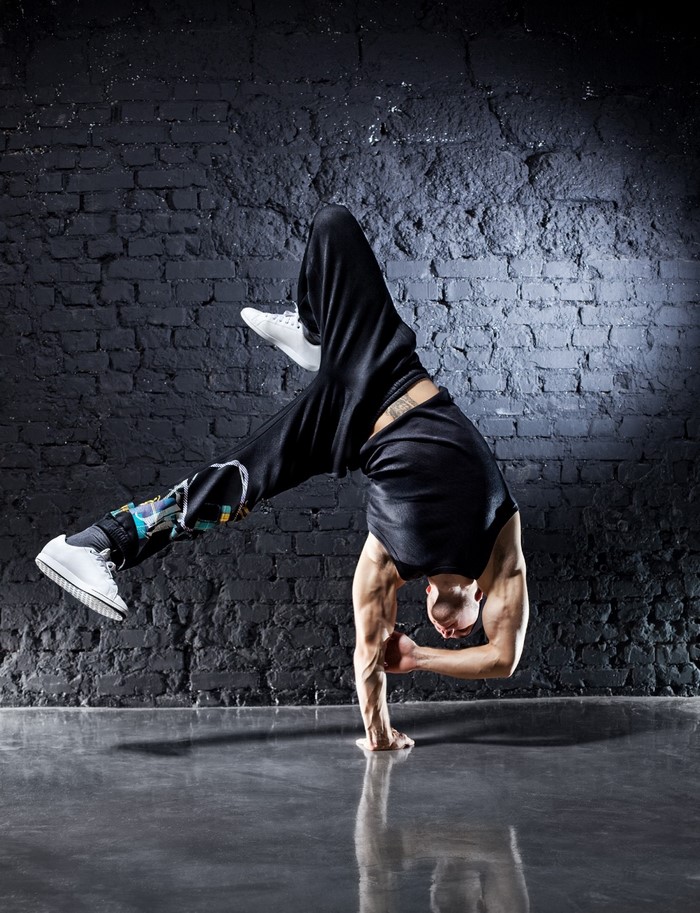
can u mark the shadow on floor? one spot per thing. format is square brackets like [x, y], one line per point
[559, 722]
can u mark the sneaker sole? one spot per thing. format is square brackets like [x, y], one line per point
[92, 602]
[294, 355]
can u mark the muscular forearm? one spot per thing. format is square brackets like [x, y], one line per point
[470, 662]
[370, 682]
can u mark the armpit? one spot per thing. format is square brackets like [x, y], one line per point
[376, 551]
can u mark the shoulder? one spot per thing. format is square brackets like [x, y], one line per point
[375, 551]
[375, 556]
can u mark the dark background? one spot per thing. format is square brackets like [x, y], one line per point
[527, 174]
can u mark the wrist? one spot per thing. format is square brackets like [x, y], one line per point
[419, 658]
[379, 737]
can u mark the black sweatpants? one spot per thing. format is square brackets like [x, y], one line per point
[368, 359]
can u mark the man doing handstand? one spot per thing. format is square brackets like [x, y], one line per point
[438, 505]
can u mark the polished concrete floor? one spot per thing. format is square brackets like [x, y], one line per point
[564, 805]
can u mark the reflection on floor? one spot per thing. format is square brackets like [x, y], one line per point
[502, 806]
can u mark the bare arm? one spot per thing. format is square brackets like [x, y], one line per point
[505, 618]
[374, 603]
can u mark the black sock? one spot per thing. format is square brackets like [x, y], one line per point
[92, 537]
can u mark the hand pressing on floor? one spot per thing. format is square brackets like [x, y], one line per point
[376, 742]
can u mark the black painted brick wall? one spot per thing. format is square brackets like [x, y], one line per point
[527, 174]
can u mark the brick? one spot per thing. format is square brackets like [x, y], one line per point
[613, 291]
[529, 449]
[634, 337]
[538, 291]
[111, 180]
[498, 289]
[65, 248]
[488, 382]
[596, 382]
[556, 358]
[410, 269]
[666, 336]
[184, 199]
[475, 269]
[684, 290]
[138, 111]
[230, 291]
[117, 291]
[49, 183]
[575, 291]
[423, 290]
[560, 269]
[193, 291]
[126, 268]
[211, 681]
[65, 272]
[679, 269]
[572, 427]
[118, 338]
[270, 269]
[607, 450]
[88, 224]
[105, 247]
[199, 269]
[619, 268]
[539, 427]
[678, 316]
[53, 202]
[526, 269]
[144, 247]
[634, 426]
[79, 341]
[200, 133]
[172, 177]
[458, 289]
[497, 427]
[95, 158]
[548, 337]
[51, 684]
[649, 292]
[115, 684]
[591, 337]
[13, 163]
[138, 156]
[603, 426]
[176, 110]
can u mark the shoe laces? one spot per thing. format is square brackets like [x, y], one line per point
[290, 318]
[105, 559]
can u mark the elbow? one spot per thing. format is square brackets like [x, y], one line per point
[359, 656]
[365, 656]
[506, 666]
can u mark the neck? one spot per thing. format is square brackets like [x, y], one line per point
[451, 582]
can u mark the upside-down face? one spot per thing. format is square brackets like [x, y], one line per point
[453, 606]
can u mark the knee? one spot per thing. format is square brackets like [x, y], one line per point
[332, 215]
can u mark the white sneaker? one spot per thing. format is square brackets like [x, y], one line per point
[85, 573]
[286, 332]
